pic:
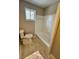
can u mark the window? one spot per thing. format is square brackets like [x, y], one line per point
[30, 14]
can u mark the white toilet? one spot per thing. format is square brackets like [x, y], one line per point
[27, 38]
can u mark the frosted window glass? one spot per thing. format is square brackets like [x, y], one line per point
[32, 15]
[27, 14]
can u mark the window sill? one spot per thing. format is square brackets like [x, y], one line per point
[30, 20]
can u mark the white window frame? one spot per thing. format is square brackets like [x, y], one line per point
[30, 14]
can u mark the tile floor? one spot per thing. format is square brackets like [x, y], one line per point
[37, 45]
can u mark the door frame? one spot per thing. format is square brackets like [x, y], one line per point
[56, 23]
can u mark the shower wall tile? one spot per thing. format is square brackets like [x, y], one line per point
[39, 23]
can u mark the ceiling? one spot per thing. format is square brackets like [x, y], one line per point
[42, 3]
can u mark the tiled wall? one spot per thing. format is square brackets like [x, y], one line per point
[39, 23]
[43, 27]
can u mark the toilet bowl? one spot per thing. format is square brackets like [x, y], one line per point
[27, 39]
[28, 36]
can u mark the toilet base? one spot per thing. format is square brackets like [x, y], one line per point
[27, 41]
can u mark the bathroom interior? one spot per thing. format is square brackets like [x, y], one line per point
[36, 21]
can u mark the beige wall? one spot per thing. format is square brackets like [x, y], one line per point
[21, 14]
[28, 26]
